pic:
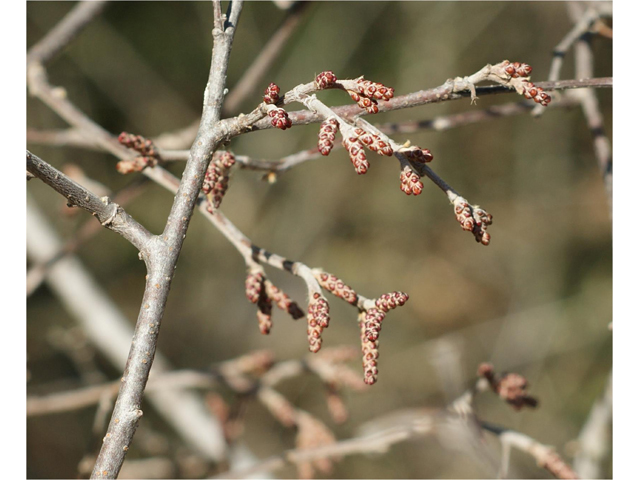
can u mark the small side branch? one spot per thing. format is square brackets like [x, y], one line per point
[108, 213]
[65, 31]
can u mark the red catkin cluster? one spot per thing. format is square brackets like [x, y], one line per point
[356, 154]
[279, 118]
[148, 153]
[516, 69]
[367, 93]
[511, 387]
[532, 92]
[254, 284]
[263, 293]
[216, 179]
[327, 135]
[283, 301]
[373, 142]
[317, 320]
[337, 287]
[389, 301]
[373, 324]
[325, 80]
[370, 355]
[473, 219]
[271, 94]
[410, 182]
[256, 293]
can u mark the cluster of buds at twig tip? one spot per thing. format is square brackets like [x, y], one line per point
[518, 76]
[392, 300]
[327, 135]
[271, 94]
[216, 179]
[337, 287]
[417, 154]
[325, 80]
[516, 69]
[279, 118]
[356, 154]
[367, 93]
[532, 92]
[317, 320]
[511, 387]
[473, 219]
[410, 181]
[148, 153]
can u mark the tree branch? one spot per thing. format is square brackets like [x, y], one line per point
[64, 32]
[109, 214]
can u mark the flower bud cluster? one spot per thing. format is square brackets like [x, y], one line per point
[373, 142]
[473, 219]
[419, 155]
[325, 80]
[366, 94]
[532, 92]
[337, 287]
[271, 94]
[216, 179]
[317, 320]
[279, 118]
[511, 387]
[148, 157]
[516, 69]
[356, 154]
[327, 135]
[410, 181]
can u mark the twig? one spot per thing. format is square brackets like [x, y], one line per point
[37, 272]
[254, 74]
[594, 440]
[108, 213]
[434, 95]
[581, 26]
[110, 331]
[64, 32]
[591, 109]
[405, 425]
[544, 455]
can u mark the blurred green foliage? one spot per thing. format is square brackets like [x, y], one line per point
[536, 301]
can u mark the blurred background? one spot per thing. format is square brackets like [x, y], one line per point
[537, 300]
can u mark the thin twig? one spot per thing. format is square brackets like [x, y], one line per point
[38, 272]
[594, 440]
[434, 95]
[108, 213]
[64, 32]
[254, 74]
